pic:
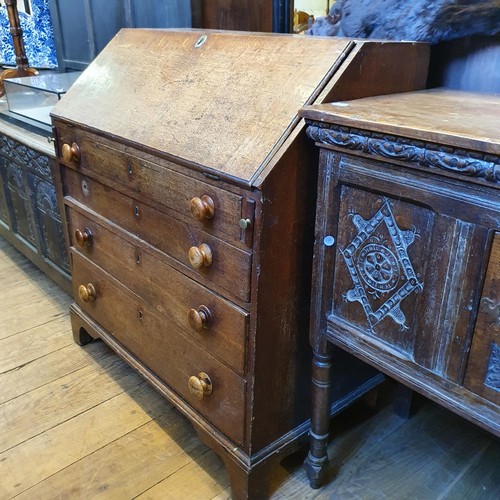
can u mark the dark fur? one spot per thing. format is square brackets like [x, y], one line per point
[423, 20]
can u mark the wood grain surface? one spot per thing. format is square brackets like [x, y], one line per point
[235, 116]
[129, 442]
[451, 117]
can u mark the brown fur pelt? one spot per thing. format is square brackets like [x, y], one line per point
[423, 20]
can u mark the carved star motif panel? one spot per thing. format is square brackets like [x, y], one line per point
[380, 264]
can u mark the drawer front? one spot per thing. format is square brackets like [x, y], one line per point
[483, 368]
[213, 323]
[156, 342]
[129, 171]
[230, 267]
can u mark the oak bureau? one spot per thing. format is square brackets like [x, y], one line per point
[188, 189]
[407, 252]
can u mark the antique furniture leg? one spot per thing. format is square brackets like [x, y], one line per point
[252, 484]
[404, 401]
[79, 328]
[316, 462]
[22, 68]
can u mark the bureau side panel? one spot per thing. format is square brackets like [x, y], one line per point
[282, 260]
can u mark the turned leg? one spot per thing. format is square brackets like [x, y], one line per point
[316, 462]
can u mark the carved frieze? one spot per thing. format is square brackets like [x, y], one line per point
[20, 153]
[429, 155]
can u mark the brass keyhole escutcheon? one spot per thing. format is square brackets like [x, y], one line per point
[200, 386]
[200, 319]
[87, 293]
[200, 256]
[200, 41]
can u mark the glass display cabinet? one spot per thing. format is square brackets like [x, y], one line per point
[32, 98]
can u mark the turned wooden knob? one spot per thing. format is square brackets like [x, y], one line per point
[200, 318]
[83, 237]
[200, 256]
[71, 153]
[202, 208]
[200, 386]
[87, 293]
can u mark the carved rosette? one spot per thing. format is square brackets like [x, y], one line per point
[428, 155]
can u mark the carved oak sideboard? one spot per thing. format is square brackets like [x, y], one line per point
[190, 209]
[407, 251]
[29, 211]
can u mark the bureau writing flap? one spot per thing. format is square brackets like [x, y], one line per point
[219, 100]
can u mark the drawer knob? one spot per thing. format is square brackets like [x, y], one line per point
[83, 237]
[87, 293]
[71, 152]
[202, 208]
[200, 386]
[200, 256]
[245, 223]
[200, 318]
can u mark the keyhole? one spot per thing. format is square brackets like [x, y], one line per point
[136, 211]
[85, 188]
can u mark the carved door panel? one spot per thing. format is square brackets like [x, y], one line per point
[48, 221]
[406, 267]
[20, 210]
[381, 261]
[483, 368]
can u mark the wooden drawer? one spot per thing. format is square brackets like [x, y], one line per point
[135, 173]
[165, 289]
[231, 266]
[483, 368]
[156, 342]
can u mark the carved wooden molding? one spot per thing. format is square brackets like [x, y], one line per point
[469, 163]
[16, 151]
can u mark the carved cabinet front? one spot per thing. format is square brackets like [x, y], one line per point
[29, 212]
[407, 250]
[408, 265]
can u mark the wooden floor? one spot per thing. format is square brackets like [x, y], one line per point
[78, 423]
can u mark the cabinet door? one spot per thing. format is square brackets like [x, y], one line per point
[408, 257]
[483, 368]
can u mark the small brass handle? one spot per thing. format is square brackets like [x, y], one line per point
[83, 237]
[489, 307]
[200, 318]
[200, 386]
[71, 153]
[200, 256]
[87, 293]
[202, 208]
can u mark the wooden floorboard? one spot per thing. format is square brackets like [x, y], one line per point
[77, 422]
